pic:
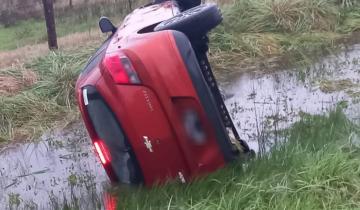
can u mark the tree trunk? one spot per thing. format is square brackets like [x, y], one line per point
[70, 4]
[50, 23]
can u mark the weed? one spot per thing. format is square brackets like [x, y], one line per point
[14, 200]
[49, 100]
[298, 31]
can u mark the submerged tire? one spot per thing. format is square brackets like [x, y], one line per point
[195, 22]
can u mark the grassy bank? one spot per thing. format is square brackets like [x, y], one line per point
[44, 102]
[290, 30]
[318, 168]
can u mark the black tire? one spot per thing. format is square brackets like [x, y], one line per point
[188, 4]
[195, 22]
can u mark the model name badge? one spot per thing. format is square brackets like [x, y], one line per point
[148, 101]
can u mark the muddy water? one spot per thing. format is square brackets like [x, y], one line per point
[263, 104]
[61, 167]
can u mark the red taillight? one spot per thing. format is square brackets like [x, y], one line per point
[102, 151]
[110, 201]
[120, 69]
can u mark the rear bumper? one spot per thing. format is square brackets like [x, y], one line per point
[148, 115]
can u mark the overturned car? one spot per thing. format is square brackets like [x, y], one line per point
[150, 101]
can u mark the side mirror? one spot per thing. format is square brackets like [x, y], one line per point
[106, 25]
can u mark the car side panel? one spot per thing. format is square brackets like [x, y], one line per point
[160, 67]
[150, 110]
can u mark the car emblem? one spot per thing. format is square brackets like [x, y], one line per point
[148, 144]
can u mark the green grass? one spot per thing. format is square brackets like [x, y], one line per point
[318, 168]
[33, 31]
[50, 100]
[296, 30]
[22, 33]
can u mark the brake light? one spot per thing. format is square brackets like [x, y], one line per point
[120, 69]
[103, 152]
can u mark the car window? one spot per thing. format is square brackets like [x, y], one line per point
[98, 55]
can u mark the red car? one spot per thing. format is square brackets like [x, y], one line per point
[149, 99]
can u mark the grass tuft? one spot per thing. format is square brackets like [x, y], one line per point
[48, 101]
[297, 31]
[58, 72]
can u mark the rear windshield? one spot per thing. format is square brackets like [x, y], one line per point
[96, 58]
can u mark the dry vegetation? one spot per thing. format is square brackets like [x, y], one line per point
[69, 42]
[15, 59]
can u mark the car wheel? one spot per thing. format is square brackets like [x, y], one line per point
[195, 22]
[187, 4]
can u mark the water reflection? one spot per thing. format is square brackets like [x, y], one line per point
[58, 170]
[262, 104]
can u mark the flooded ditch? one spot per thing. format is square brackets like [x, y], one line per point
[261, 104]
[61, 167]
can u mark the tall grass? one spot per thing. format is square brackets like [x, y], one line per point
[48, 101]
[296, 30]
[281, 16]
[318, 168]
